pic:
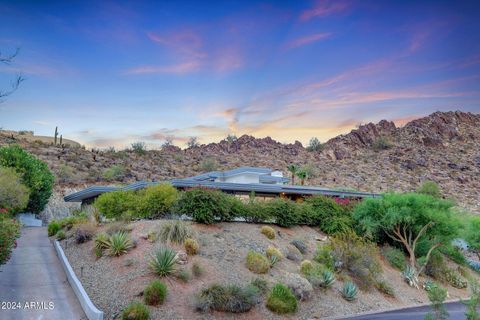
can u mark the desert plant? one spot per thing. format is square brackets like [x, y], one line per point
[9, 232]
[349, 291]
[328, 278]
[34, 174]
[268, 232]
[281, 300]
[293, 169]
[191, 246]
[330, 216]
[156, 201]
[197, 270]
[53, 228]
[315, 145]
[284, 211]
[472, 235]
[163, 262]
[453, 278]
[84, 232]
[114, 173]
[115, 204]
[155, 293]
[437, 296]
[257, 262]
[395, 257]
[139, 147]
[300, 245]
[61, 235]
[230, 298]
[273, 252]
[381, 143]
[118, 244]
[324, 255]
[13, 194]
[136, 311]
[260, 284]
[385, 288]
[175, 231]
[101, 241]
[410, 276]
[208, 164]
[430, 188]
[183, 275]
[472, 303]
[306, 267]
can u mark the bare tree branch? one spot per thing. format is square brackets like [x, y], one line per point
[9, 59]
[18, 80]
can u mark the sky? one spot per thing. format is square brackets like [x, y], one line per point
[109, 73]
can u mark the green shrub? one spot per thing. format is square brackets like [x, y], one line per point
[204, 205]
[136, 311]
[385, 288]
[115, 204]
[114, 173]
[209, 164]
[454, 278]
[328, 215]
[60, 235]
[257, 262]
[324, 255]
[395, 257]
[319, 276]
[101, 243]
[273, 252]
[53, 228]
[269, 232]
[118, 244]
[306, 267]
[34, 174]
[70, 221]
[257, 211]
[183, 275]
[197, 270]
[230, 298]
[163, 262]
[9, 232]
[191, 246]
[155, 293]
[430, 188]
[139, 147]
[454, 254]
[285, 212]
[175, 231]
[260, 284]
[349, 291]
[281, 300]
[156, 201]
[437, 296]
[381, 143]
[13, 194]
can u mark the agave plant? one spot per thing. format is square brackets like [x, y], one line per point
[118, 244]
[273, 260]
[349, 291]
[163, 262]
[410, 276]
[328, 278]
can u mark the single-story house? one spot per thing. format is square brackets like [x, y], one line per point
[264, 182]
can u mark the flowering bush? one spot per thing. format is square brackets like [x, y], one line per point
[9, 232]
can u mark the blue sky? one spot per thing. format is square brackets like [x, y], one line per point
[111, 73]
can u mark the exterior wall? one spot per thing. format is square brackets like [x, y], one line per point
[242, 178]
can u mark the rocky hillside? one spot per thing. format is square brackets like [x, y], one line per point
[443, 147]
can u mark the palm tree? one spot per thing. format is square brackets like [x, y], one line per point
[293, 169]
[302, 175]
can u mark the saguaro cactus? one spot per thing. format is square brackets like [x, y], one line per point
[56, 135]
[61, 138]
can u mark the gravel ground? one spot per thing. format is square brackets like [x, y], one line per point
[113, 282]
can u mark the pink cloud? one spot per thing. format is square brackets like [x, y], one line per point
[295, 43]
[227, 60]
[185, 42]
[324, 8]
[180, 68]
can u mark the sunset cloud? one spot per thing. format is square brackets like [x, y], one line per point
[180, 68]
[323, 8]
[295, 43]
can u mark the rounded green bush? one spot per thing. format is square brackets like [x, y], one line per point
[13, 194]
[136, 311]
[53, 228]
[155, 293]
[9, 232]
[156, 201]
[257, 262]
[281, 300]
[268, 232]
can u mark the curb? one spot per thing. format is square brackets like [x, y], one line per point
[88, 307]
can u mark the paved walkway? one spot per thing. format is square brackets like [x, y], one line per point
[34, 279]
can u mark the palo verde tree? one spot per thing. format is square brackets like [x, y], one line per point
[473, 234]
[408, 219]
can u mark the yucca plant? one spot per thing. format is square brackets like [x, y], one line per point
[273, 261]
[410, 276]
[328, 278]
[349, 291]
[163, 262]
[118, 244]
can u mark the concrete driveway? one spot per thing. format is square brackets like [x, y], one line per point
[33, 284]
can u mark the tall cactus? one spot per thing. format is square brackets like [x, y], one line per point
[56, 135]
[61, 138]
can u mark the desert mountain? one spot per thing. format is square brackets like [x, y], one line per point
[443, 147]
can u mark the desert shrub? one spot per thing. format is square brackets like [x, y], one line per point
[101, 243]
[357, 256]
[13, 194]
[300, 245]
[136, 311]
[204, 205]
[183, 275]
[285, 212]
[319, 276]
[471, 304]
[324, 255]
[53, 228]
[197, 270]
[115, 204]
[269, 232]
[118, 243]
[385, 288]
[9, 232]
[256, 211]
[175, 231]
[381, 143]
[208, 164]
[454, 278]
[257, 262]
[454, 254]
[349, 291]
[230, 298]
[191, 246]
[430, 188]
[472, 236]
[272, 252]
[70, 221]
[139, 147]
[114, 173]
[118, 226]
[315, 145]
[84, 232]
[437, 296]
[328, 215]
[61, 235]
[163, 262]
[281, 300]
[306, 267]
[34, 174]
[155, 293]
[156, 201]
[260, 284]
[395, 257]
